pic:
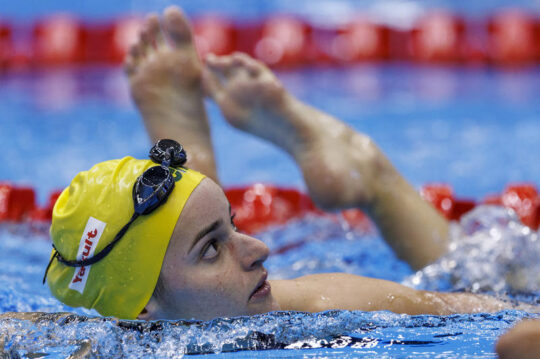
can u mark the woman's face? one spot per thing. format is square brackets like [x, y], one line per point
[210, 270]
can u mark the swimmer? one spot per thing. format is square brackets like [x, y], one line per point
[182, 257]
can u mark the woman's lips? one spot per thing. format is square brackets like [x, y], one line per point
[262, 291]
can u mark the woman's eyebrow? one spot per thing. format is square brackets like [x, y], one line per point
[212, 227]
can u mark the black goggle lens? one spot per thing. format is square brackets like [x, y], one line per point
[152, 189]
[168, 152]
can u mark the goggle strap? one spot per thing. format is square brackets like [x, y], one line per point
[95, 258]
[49, 265]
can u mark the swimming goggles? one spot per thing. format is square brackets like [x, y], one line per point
[151, 189]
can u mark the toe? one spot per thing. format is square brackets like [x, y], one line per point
[237, 61]
[129, 66]
[134, 59]
[135, 53]
[253, 66]
[130, 62]
[154, 31]
[177, 26]
[211, 82]
[224, 66]
[145, 41]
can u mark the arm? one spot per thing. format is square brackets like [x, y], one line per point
[319, 292]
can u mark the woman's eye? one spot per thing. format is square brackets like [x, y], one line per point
[210, 251]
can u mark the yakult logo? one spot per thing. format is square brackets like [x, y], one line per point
[89, 240]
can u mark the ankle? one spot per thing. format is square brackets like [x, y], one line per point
[304, 122]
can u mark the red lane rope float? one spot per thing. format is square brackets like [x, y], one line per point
[58, 40]
[510, 37]
[214, 34]
[438, 37]
[524, 199]
[63, 40]
[441, 196]
[284, 41]
[110, 42]
[358, 40]
[16, 202]
[6, 45]
[125, 32]
[514, 38]
[259, 206]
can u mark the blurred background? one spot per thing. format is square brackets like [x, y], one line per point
[448, 89]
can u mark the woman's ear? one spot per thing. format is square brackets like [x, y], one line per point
[151, 311]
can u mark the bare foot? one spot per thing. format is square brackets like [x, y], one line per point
[339, 165]
[165, 79]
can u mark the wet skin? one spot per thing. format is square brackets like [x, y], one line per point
[210, 269]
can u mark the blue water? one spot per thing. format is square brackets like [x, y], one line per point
[277, 335]
[476, 129]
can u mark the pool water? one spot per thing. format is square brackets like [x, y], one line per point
[476, 130]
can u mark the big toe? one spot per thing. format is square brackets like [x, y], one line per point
[245, 61]
[177, 26]
[221, 65]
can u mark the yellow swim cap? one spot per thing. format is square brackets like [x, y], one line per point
[87, 216]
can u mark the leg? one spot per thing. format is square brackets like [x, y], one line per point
[342, 168]
[165, 80]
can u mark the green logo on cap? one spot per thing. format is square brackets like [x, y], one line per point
[177, 173]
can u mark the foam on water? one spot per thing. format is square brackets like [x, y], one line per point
[490, 251]
[359, 332]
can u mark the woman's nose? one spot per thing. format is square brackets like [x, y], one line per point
[251, 251]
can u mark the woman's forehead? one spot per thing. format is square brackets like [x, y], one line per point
[206, 204]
